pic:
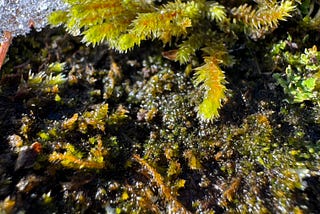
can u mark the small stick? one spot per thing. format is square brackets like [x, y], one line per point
[4, 46]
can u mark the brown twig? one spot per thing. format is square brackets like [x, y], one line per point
[4, 46]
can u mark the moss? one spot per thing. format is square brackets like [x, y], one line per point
[186, 21]
[124, 136]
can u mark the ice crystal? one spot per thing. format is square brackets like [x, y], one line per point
[16, 16]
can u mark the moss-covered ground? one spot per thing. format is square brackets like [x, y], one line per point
[89, 130]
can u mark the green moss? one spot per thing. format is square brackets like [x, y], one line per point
[185, 21]
[119, 133]
[300, 79]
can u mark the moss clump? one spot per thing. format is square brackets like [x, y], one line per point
[301, 79]
[184, 23]
[124, 136]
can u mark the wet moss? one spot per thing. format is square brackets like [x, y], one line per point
[124, 137]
